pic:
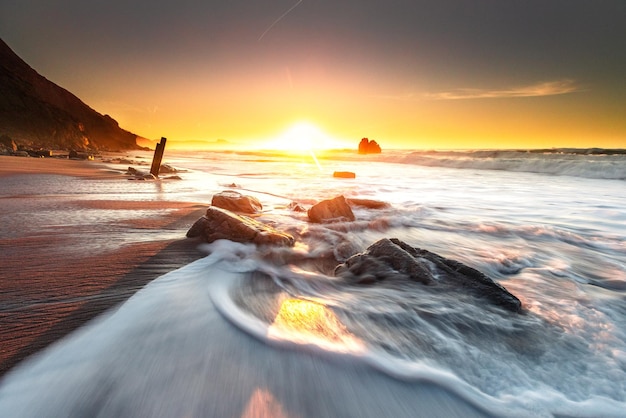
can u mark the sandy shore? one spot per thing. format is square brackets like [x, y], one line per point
[23, 165]
[53, 281]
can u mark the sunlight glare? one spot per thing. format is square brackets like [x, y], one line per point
[301, 138]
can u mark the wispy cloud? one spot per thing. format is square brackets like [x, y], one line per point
[548, 88]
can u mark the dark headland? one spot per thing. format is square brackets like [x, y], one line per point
[37, 113]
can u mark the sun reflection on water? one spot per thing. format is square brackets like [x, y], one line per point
[307, 322]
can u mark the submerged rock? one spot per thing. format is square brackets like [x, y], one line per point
[392, 260]
[236, 202]
[220, 223]
[367, 203]
[332, 210]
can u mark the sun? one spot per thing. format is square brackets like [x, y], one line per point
[301, 138]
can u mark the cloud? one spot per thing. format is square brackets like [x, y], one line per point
[548, 88]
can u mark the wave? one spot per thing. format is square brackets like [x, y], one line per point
[592, 163]
[586, 165]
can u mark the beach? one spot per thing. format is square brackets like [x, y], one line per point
[56, 277]
[172, 327]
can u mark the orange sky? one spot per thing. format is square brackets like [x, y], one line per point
[427, 74]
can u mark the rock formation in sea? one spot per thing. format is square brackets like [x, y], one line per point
[220, 223]
[389, 260]
[367, 146]
[36, 113]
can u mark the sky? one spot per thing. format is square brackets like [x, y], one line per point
[432, 74]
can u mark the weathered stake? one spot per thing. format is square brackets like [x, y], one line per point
[158, 156]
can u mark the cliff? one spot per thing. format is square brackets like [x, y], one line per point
[38, 113]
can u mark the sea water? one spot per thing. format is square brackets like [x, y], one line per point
[548, 226]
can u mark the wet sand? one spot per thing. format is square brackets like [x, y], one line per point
[54, 281]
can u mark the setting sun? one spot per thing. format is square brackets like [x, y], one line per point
[302, 137]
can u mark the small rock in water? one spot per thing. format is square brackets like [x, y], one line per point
[344, 174]
[333, 210]
[236, 202]
[167, 169]
[392, 259]
[139, 175]
[220, 223]
[296, 207]
[368, 203]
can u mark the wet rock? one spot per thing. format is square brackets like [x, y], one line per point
[236, 202]
[139, 175]
[296, 207]
[367, 203]
[219, 223]
[332, 210]
[167, 169]
[393, 260]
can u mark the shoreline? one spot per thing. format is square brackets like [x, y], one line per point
[11, 165]
[54, 281]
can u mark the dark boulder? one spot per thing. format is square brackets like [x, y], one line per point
[236, 202]
[332, 210]
[393, 260]
[79, 155]
[222, 224]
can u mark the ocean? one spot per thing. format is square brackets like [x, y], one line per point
[250, 331]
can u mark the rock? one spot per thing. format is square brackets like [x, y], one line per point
[43, 153]
[333, 210]
[79, 155]
[139, 175]
[367, 203]
[8, 144]
[393, 260]
[369, 147]
[167, 169]
[236, 202]
[296, 207]
[219, 223]
[344, 174]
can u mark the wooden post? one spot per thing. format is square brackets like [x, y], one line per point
[158, 156]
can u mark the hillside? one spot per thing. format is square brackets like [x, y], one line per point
[35, 112]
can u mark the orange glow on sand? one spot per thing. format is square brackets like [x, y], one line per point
[308, 322]
[263, 404]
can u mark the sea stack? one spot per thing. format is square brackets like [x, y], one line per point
[367, 146]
